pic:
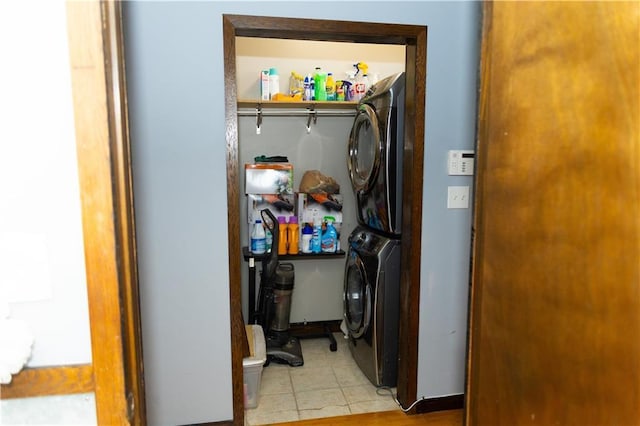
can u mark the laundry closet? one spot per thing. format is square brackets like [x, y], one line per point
[313, 136]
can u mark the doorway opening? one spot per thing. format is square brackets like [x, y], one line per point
[414, 39]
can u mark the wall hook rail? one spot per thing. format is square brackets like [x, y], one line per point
[312, 116]
[258, 119]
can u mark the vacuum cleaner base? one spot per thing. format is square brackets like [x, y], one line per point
[289, 352]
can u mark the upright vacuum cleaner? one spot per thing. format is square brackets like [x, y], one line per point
[274, 302]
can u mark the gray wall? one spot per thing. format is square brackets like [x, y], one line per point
[317, 295]
[175, 67]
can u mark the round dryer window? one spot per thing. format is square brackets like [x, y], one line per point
[365, 149]
[357, 298]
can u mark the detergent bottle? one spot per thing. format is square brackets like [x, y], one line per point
[258, 238]
[316, 244]
[293, 235]
[331, 87]
[308, 88]
[282, 235]
[330, 236]
[320, 84]
[307, 235]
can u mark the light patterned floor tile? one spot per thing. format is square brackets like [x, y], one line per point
[275, 380]
[350, 376]
[329, 384]
[278, 402]
[362, 393]
[304, 379]
[317, 399]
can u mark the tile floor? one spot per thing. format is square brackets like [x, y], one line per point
[329, 384]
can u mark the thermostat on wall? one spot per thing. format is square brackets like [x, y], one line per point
[461, 162]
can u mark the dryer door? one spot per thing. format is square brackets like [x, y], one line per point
[357, 297]
[365, 149]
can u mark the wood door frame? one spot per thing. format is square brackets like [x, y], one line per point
[102, 141]
[414, 38]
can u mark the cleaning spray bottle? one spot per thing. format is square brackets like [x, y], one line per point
[316, 244]
[361, 82]
[330, 236]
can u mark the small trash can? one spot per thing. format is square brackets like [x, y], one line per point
[252, 365]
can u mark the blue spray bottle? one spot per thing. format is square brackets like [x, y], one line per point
[330, 236]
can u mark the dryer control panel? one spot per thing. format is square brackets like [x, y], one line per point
[461, 162]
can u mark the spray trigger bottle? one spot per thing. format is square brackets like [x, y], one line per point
[361, 85]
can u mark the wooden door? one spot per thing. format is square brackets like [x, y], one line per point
[555, 293]
[102, 140]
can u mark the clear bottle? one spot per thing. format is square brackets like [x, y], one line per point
[295, 85]
[359, 87]
[258, 238]
[367, 83]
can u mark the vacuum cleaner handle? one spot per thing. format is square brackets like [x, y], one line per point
[270, 262]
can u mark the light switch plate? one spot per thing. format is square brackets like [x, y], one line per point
[458, 197]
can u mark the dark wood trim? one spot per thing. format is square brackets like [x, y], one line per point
[415, 39]
[123, 208]
[321, 30]
[443, 403]
[96, 92]
[45, 381]
[416, 65]
[239, 343]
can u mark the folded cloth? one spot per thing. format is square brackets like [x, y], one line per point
[16, 341]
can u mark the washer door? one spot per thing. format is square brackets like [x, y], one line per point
[357, 297]
[365, 149]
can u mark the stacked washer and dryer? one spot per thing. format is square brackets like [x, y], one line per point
[372, 272]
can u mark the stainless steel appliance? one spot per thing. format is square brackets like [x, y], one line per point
[375, 152]
[372, 303]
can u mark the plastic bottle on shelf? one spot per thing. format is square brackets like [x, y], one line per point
[293, 235]
[307, 234]
[296, 85]
[329, 236]
[320, 85]
[308, 88]
[258, 238]
[282, 235]
[349, 86]
[366, 82]
[316, 244]
[274, 83]
[331, 87]
[359, 87]
[340, 91]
